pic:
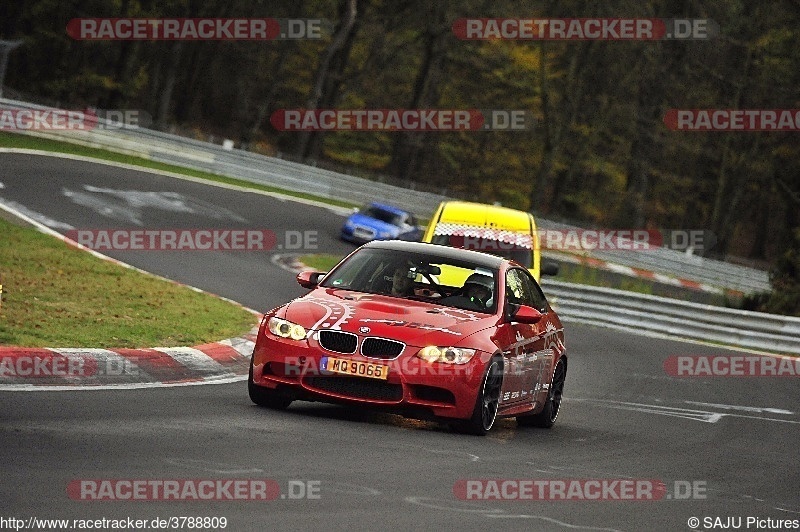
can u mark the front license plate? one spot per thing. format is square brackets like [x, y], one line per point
[354, 367]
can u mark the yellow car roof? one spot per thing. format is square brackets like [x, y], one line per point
[482, 215]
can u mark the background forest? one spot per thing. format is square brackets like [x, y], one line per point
[599, 154]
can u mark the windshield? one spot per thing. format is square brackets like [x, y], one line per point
[522, 255]
[385, 216]
[431, 278]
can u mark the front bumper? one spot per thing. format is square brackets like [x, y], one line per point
[358, 234]
[413, 386]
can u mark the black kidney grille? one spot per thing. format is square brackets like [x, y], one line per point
[338, 341]
[381, 348]
[357, 387]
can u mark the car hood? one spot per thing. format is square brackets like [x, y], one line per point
[374, 223]
[413, 322]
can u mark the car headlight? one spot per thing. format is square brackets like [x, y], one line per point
[448, 355]
[286, 329]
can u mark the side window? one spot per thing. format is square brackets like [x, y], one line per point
[517, 291]
[521, 289]
[539, 301]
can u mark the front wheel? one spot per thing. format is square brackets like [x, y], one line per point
[488, 402]
[547, 417]
[264, 396]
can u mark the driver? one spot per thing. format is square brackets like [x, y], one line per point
[478, 289]
[476, 294]
[403, 281]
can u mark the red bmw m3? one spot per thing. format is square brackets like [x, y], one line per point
[422, 330]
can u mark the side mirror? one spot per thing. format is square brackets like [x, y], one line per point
[309, 279]
[549, 268]
[526, 314]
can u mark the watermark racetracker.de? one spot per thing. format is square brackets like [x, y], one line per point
[16, 119]
[196, 29]
[577, 240]
[24, 365]
[582, 29]
[389, 120]
[211, 239]
[193, 489]
[732, 119]
[578, 489]
[731, 366]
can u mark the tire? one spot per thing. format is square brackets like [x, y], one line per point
[264, 396]
[547, 417]
[488, 402]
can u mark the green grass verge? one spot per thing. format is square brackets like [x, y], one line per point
[58, 296]
[322, 262]
[580, 274]
[16, 140]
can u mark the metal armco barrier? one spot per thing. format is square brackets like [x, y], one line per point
[271, 171]
[641, 312]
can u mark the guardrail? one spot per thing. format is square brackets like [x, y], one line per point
[640, 312]
[692, 267]
[271, 171]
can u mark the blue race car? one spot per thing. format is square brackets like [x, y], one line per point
[378, 221]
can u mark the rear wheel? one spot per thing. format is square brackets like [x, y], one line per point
[547, 417]
[264, 396]
[488, 402]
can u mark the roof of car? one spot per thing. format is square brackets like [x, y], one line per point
[481, 259]
[389, 208]
[485, 215]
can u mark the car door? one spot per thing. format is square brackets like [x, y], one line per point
[527, 360]
[551, 341]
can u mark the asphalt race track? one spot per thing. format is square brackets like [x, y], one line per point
[734, 440]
